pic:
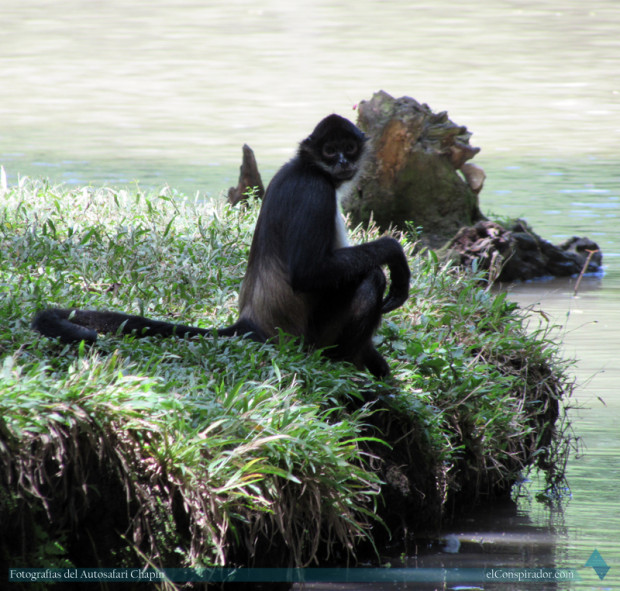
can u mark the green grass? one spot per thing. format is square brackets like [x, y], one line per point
[225, 451]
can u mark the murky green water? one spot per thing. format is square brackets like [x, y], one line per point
[167, 92]
[560, 200]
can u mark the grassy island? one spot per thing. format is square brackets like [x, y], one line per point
[181, 453]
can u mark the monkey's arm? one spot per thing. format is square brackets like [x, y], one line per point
[349, 265]
[399, 284]
[309, 240]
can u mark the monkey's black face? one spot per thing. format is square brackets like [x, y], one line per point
[340, 157]
[336, 146]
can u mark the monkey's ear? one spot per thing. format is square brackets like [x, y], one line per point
[308, 146]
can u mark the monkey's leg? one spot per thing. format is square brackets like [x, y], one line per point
[358, 315]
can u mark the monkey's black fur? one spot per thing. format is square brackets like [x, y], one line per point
[303, 277]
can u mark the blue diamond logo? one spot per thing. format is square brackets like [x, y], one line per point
[598, 564]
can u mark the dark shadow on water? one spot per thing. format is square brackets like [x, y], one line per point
[501, 536]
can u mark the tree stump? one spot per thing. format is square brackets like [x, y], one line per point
[413, 175]
[249, 177]
[419, 175]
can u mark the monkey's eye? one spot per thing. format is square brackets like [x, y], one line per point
[330, 151]
[350, 148]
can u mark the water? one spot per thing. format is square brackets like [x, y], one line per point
[167, 92]
[161, 91]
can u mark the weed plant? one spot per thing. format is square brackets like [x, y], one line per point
[223, 451]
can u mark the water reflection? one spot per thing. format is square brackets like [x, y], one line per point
[589, 327]
[505, 537]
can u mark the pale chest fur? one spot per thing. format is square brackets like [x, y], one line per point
[341, 233]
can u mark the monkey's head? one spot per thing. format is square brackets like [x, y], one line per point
[336, 146]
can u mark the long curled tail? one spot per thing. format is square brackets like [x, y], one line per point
[72, 325]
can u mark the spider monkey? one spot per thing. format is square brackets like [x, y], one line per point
[303, 277]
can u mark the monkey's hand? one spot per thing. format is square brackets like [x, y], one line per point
[399, 283]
